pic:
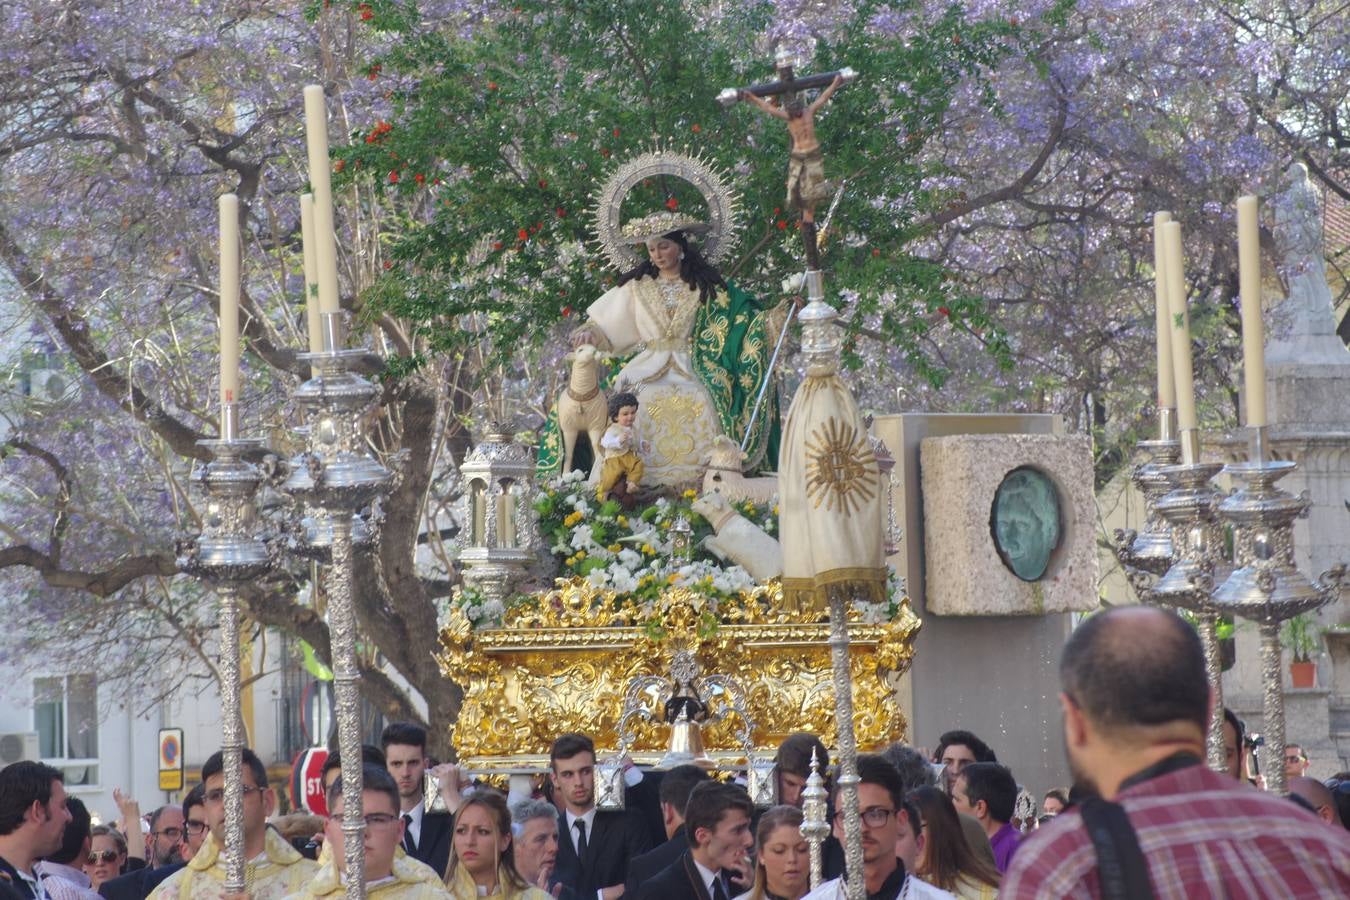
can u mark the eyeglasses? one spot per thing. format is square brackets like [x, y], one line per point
[194, 827]
[98, 856]
[172, 833]
[1293, 759]
[218, 795]
[373, 820]
[874, 816]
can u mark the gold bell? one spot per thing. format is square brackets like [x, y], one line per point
[686, 744]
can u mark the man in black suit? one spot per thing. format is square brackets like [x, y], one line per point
[594, 847]
[426, 835]
[717, 827]
[675, 789]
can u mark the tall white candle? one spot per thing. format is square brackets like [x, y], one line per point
[325, 245]
[313, 322]
[229, 299]
[1253, 330]
[1167, 385]
[1180, 324]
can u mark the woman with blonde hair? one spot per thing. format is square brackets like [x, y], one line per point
[783, 858]
[482, 861]
[946, 860]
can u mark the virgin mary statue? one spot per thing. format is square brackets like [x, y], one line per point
[700, 350]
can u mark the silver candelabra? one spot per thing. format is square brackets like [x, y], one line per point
[1197, 546]
[336, 473]
[1266, 585]
[228, 552]
[1147, 552]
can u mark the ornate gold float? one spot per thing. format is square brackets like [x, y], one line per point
[564, 662]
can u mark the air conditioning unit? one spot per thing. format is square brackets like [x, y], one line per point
[18, 746]
[49, 385]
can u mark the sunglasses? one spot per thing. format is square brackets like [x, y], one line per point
[101, 856]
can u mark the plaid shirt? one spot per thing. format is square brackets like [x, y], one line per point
[1203, 836]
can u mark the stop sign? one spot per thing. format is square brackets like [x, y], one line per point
[307, 781]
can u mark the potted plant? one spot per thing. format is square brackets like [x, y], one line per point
[1300, 636]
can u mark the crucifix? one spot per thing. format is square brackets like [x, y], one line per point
[806, 182]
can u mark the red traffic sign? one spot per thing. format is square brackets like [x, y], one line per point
[307, 781]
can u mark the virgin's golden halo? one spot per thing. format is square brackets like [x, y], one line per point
[720, 223]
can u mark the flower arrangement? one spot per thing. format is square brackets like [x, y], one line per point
[631, 553]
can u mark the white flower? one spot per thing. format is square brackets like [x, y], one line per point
[582, 538]
[598, 578]
[622, 580]
[630, 558]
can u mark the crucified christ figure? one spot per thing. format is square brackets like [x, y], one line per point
[806, 182]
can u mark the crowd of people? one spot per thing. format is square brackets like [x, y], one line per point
[1145, 817]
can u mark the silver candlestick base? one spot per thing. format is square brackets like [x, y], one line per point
[1148, 551]
[227, 553]
[338, 475]
[1267, 587]
[1188, 583]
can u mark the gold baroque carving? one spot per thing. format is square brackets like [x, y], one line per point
[564, 662]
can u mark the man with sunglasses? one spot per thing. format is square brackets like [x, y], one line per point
[881, 796]
[192, 831]
[390, 873]
[273, 868]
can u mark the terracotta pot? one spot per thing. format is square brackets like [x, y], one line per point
[1303, 674]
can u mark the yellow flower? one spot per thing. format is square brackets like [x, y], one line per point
[775, 509]
[672, 578]
[572, 519]
[615, 548]
[690, 494]
[581, 554]
[622, 520]
[648, 549]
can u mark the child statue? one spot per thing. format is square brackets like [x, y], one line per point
[622, 469]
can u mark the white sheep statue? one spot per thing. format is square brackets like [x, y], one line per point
[582, 405]
[724, 476]
[738, 539]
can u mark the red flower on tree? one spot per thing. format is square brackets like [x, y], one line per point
[523, 234]
[366, 12]
[393, 177]
[942, 310]
[419, 178]
[672, 203]
[782, 225]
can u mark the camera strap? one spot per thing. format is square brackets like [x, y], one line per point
[1121, 867]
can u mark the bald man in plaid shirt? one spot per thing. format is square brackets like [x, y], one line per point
[1136, 710]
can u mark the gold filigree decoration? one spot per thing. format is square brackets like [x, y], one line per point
[564, 662]
[841, 469]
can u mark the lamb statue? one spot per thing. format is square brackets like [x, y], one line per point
[724, 475]
[739, 539]
[582, 405]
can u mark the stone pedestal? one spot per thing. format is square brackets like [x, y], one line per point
[996, 675]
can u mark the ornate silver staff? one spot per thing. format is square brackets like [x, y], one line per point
[1267, 586]
[227, 553]
[336, 473]
[815, 818]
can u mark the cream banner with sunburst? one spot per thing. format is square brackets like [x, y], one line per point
[831, 496]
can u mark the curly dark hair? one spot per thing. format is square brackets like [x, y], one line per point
[619, 401]
[695, 271]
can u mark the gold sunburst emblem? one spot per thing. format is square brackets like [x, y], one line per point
[840, 468]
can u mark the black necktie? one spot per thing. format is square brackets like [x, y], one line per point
[409, 845]
[580, 826]
[718, 892]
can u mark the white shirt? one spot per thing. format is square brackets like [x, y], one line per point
[415, 826]
[707, 874]
[913, 889]
[589, 818]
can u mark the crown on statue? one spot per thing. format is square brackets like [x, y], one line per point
[658, 224]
